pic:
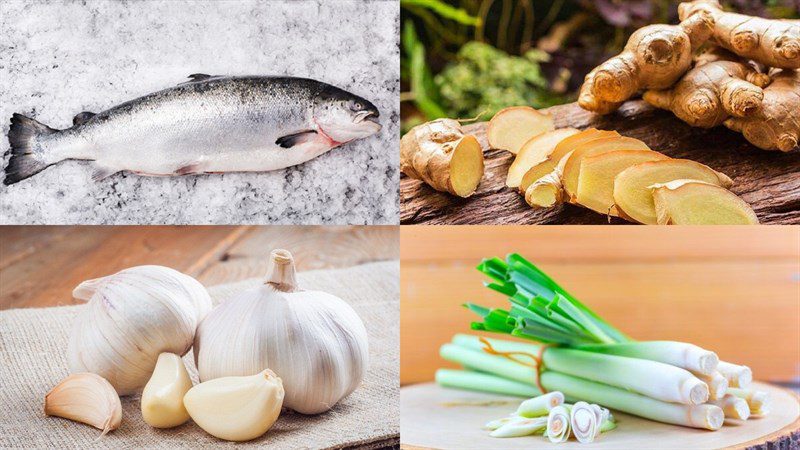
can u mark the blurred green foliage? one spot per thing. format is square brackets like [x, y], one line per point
[484, 80]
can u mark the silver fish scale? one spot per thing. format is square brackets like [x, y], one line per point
[213, 120]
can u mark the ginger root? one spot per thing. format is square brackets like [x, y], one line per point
[655, 57]
[775, 43]
[536, 150]
[776, 125]
[712, 92]
[441, 155]
[633, 197]
[693, 202]
[512, 127]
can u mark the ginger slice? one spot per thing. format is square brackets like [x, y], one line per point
[692, 202]
[511, 127]
[565, 146]
[441, 155]
[572, 166]
[596, 181]
[633, 196]
[536, 150]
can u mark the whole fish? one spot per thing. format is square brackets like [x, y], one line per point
[208, 124]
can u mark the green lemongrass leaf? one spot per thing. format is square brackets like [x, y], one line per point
[495, 268]
[507, 289]
[564, 306]
[478, 309]
[445, 10]
[530, 285]
[526, 315]
[532, 330]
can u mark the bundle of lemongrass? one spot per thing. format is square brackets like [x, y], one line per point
[588, 359]
[548, 415]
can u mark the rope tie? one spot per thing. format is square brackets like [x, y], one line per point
[538, 363]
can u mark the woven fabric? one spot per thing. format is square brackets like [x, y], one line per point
[33, 344]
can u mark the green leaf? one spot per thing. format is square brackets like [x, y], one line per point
[444, 10]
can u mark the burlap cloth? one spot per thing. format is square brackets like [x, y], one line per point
[33, 343]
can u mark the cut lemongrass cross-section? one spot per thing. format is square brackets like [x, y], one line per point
[541, 405]
[737, 376]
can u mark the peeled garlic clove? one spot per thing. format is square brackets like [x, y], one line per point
[162, 399]
[85, 398]
[236, 408]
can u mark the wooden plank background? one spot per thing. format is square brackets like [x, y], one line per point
[734, 290]
[40, 265]
[768, 181]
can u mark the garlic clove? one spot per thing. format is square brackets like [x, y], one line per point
[236, 408]
[162, 398]
[86, 398]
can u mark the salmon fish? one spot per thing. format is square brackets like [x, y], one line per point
[208, 124]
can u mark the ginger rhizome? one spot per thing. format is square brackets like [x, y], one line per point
[712, 92]
[776, 125]
[443, 156]
[775, 43]
[655, 57]
[512, 127]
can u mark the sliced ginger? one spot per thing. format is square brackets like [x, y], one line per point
[547, 165]
[572, 165]
[633, 197]
[535, 151]
[511, 127]
[692, 202]
[441, 155]
[597, 173]
[774, 43]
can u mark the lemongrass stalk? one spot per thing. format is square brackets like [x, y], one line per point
[521, 427]
[541, 405]
[558, 424]
[475, 381]
[717, 385]
[678, 354]
[733, 407]
[497, 423]
[651, 378]
[585, 421]
[484, 362]
[502, 345]
[704, 416]
[657, 380]
[758, 401]
[737, 376]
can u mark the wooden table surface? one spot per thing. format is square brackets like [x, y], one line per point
[768, 181]
[733, 290]
[40, 265]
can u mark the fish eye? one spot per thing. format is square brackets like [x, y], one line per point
[356, 106]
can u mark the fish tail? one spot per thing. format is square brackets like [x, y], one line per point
[24, 162]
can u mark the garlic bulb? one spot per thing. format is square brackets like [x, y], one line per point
[131, 318]
[314, 341]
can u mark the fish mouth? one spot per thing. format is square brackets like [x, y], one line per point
[367, 116]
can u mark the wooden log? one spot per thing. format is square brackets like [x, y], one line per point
[768, 181]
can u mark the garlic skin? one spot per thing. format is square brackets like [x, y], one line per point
[162, 398]
[132, 317]
[85, 398]
[314, 341]
[236, 408]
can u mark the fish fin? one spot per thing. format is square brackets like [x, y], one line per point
[82, 117]
[101, 173]
[197, 77]
[24, 163]
[189, 169]
[291, 140]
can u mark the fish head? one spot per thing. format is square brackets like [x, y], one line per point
[344, 116]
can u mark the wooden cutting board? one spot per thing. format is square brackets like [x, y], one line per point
[768, 181]
[432, 417]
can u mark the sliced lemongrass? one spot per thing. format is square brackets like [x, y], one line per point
[654, 379]
[733, 407]
[476, 381]
[497, 423]
[585, 422]
[704, 416]
[521, 427]
[737, 376]
[717, 385]
[541, 405]
[678, 354]
[758, 401]
[558, 424]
